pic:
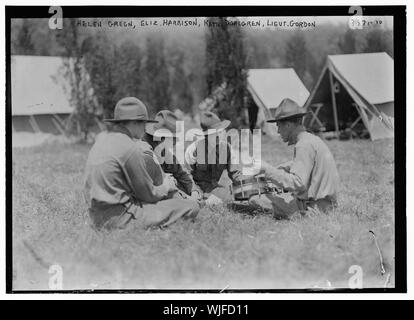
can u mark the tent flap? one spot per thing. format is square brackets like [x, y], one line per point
[368, 80]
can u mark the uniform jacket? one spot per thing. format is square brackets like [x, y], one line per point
[116, 172]
[183, 178]
[312, 174]
[207, 168]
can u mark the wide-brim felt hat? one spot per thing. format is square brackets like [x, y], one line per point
[287, 110]
[130, 109]
[165, 126]
[210, 121]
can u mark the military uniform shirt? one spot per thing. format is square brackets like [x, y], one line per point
[116, 172]
[312, 173]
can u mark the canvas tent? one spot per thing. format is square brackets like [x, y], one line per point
[268, 87]
[40, 94]
[352, 90]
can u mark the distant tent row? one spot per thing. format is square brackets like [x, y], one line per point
[353, 90]
[40, 95]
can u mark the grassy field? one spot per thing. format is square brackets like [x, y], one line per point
[222, 249]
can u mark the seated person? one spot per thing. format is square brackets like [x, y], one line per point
[311, 178]
[157, 133]
[118, 186]
[205, 172]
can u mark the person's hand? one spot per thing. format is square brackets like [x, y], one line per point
[285, 166]
[170, 183]
[195, 195]
[213, 200]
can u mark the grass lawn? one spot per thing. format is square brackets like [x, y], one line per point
[222, 249]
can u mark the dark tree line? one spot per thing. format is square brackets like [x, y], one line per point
[178, 69]
[226, 63]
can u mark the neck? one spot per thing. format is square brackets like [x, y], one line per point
[295, 134]
[122, 129]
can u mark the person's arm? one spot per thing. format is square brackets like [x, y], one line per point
[285, 166]
[190, 162]
[141, 182]
[233, 170]
[183, 177]
[298, 178]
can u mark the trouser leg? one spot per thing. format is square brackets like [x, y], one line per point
[261, 203]
[322, 205]
[119, 222]
[166, 212]
[162, 214]
[282, 206]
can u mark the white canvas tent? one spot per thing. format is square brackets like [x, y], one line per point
[354, 89]
[268, 87]
[40, 94]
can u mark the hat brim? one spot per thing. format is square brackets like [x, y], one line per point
[162, 132]
[298, 115]
[217, 128]
[130, 119]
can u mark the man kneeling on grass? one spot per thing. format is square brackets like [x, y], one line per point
[118, 186]
[311, 178]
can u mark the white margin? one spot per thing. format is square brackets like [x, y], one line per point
[306, 296]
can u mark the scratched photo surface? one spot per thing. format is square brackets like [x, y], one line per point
[67, 75]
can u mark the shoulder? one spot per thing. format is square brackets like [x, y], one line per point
[307, 143]
[308, 139]
[136, 149]
[144, 147]
[119, 143]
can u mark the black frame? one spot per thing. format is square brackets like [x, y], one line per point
[399, 14]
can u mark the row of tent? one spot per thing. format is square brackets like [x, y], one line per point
[352, 90]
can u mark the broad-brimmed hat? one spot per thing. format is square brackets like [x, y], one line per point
[129, 109]
[288, 109]
[210, 121]
[165, 126]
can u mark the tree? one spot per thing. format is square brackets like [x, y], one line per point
[181, 93]
[226, 64]
[296, 53]
[101, 61]
[24, 44]
[378, 40]
[348, 42]
[128, 73]
[81, 93]
[157, 78]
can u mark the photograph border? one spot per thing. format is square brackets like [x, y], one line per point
[400, 70]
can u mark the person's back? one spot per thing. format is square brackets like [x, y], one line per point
[105, 168]
[324, 179]
[119, 187]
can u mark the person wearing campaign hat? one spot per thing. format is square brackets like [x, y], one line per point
[156, 133]
[119, 188]
[210, 123]
[206, 173]
[311, 178]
